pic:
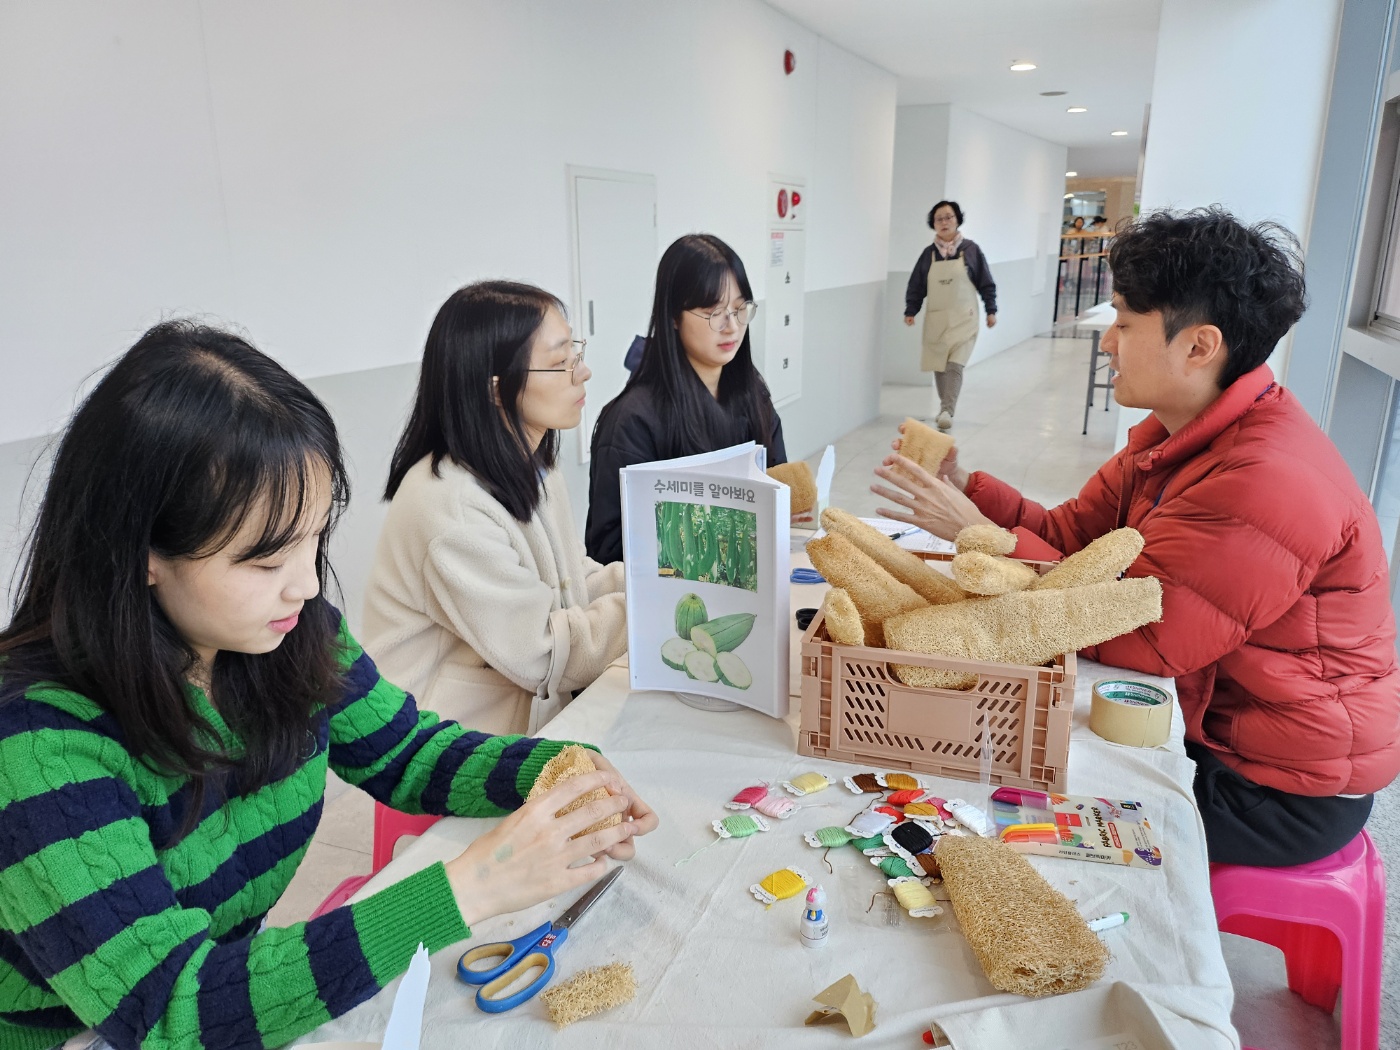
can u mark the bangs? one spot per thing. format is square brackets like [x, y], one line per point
[288, 507]
[704, 285]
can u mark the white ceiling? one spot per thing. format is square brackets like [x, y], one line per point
[1100, 52]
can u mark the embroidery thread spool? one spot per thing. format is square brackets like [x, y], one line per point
[777, 807]
[897, 782]
[748, 798]
[825, 838]
[736, 826]
[869, 824]
[906, 796]
[893, 867]
[782, 884]
[865, 845]
[915, 898]
[807, 784]
[863, 783]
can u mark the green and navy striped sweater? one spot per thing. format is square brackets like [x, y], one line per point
[105, 923]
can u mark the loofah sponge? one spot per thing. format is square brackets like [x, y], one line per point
[797, 476]
[989, 539]
[589, 992]
[979, 573]
[1026, 934]
[926, 581]
[1106, 558]
[842, 619]
[573, 761]
[1027, 627]
[876, 593]
[924, 445]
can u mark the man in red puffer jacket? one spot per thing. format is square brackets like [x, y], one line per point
[1276, 616]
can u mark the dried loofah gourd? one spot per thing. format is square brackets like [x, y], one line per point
[842, 619]
[979, 573]
[924, 445]
[1027, 627]
[1026, 934]
[797, 476]
[1107, 558]
[909, 569]
[987, 538]
[876, 593]
[573, 761]
[589, 992]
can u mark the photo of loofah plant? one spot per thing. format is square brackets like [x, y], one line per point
[707, 544]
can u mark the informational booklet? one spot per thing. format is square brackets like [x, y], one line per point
[1076, 827]
[705, 543]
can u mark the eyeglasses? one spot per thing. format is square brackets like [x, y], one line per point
[578, 346]
[719, 320]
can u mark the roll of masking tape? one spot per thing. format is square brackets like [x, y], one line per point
[1132, 713]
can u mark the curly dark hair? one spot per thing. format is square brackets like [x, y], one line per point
[958, 212]
[1205, 267]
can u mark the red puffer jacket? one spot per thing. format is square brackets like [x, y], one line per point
[1276, 617]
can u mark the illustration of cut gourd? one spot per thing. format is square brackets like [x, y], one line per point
[701, 666]
[722, 634]
[674, 651]
[733, 671]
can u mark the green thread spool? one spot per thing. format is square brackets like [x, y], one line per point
[871, 843]
[828, 837]
[734, 826]
[894, 867]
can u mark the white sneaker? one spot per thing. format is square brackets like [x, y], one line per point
[945, 421]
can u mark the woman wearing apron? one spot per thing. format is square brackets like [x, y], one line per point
[952, 272]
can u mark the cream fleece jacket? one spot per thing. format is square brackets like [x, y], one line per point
[488, 621]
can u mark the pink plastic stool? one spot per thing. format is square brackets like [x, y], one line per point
[1328, 917]
[389, 826]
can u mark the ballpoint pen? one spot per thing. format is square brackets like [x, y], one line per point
[904, 532]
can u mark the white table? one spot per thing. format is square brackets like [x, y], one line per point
[715, 969]
[1098, 319]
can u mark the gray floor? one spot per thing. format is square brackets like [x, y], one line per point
[1020, 418]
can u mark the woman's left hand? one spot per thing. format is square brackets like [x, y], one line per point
[643, 816]
[991, 320]
[926, 501]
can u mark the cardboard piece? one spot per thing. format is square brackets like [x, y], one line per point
[845, 1002]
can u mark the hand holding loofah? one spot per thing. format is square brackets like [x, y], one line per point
[924, 445]
[1027, 935]
[980, 573]
[909, 569]
[797, 476]
[573, 761]
[1027, 627]
[989, 539]
[1107, 558]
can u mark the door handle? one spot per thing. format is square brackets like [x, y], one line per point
[590, 317]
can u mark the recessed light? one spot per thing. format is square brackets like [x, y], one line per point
[1068, 196]
[1053, 94]
[1077, 109]
[1117, 134]
[1022, 67]
[1071, 174]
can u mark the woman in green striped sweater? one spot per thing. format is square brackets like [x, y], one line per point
[174, 687]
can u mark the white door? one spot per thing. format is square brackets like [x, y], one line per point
[615, 274]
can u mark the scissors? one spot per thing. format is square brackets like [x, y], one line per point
[517, 958]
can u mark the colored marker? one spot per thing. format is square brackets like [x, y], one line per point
[1118, 918]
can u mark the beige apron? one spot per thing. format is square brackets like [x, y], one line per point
[950, 316]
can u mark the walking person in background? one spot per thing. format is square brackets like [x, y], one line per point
[952, 272]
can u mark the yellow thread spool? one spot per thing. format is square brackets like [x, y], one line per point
[782, 884]
[914, 897]
[900, 782]
[808, 783]
[921, 809]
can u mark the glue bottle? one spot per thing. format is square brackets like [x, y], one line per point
[814, 924]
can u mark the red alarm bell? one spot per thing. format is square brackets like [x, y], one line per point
[782, 204]
[789, 62]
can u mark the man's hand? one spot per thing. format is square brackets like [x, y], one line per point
[909, 321]
[991, 320]
[931, 503]
[948, 470]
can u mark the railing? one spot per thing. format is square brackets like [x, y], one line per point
[1077, 249]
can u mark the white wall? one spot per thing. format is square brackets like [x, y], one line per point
[1010, 186]
[1258, 156]
[324, 173]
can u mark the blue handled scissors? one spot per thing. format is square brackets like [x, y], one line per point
[517, 958]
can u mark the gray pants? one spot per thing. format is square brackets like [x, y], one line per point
[948, 385]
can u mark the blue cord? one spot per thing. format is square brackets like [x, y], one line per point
[807, 576]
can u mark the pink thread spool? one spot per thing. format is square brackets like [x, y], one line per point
[776, 806]
[749, 797]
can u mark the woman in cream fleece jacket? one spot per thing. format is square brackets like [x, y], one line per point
[481, 601]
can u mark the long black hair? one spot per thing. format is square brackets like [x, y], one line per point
[484, 332]
[691, 276]
[190, 433]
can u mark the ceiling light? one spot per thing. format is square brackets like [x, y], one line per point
[1022, 67]
[1068, 196]
[1053, 94]
[1071, 174]
[1118, 134]
[1077, 109]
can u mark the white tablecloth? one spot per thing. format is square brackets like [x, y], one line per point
[715, 969]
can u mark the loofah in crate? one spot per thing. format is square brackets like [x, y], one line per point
[1027, 935]
[573, 761]
[589, 992]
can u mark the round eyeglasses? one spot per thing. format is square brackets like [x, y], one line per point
[578, 347]
[719, 319]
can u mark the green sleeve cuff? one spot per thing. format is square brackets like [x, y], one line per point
[533, 766]
[392, 923]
